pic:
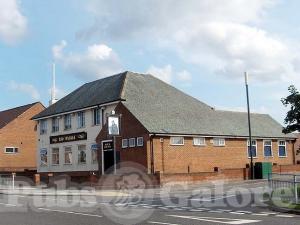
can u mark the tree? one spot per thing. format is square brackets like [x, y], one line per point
[292, 120]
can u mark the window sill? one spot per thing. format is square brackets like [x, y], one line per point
[177, 144]
[200, 145]
[55, 165]
[67, 164]
[282, 156]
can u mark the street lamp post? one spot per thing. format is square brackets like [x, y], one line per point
[249, 126]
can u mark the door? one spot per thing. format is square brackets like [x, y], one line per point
[108, 161]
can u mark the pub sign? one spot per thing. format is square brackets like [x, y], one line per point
[68, 138]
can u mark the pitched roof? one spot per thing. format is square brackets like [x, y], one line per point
[161, 108]
[9, 115]
[90, 94]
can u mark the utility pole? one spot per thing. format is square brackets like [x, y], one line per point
[249, 126]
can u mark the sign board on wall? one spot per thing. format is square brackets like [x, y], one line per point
[107, 145]
[68, 138]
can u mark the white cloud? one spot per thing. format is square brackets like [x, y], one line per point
[184, 76]
[60, 93]
[28, 89]
[162, 73]
[13, 25]
[97, 61]
[225, 38]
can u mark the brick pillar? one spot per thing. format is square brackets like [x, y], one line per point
[37, 179]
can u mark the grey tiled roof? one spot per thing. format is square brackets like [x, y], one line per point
[90, 94]
[164, 109]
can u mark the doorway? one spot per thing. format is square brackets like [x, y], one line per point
[108, 161]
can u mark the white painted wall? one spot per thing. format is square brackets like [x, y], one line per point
[92, 133]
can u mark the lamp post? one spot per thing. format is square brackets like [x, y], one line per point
[249, 126]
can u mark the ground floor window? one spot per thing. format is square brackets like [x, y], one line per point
[177, 141]
[44, 157]
[132, 142]
[140, 141]
[55, 156]
[282, 148]
[199, 141]
[11, 150]
[124, 143]
[94, 149]
[268, 148]
[68, 155]
[219, 141]
[82, 154]
[253, 148]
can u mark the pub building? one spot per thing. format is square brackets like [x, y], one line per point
[157, 126]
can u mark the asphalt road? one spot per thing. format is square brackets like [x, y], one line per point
[232, 203]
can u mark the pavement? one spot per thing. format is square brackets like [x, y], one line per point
[208, 204]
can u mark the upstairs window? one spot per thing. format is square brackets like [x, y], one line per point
[253, 148]
[81, 119]
[219, 141]
[268, 148]
[55, 124]
[282, 149]
[43, 126]
[177, 140]
[11, 150]
[97, 116]
[199, 141]
[68, 121]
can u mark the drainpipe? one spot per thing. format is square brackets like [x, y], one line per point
[152, 153]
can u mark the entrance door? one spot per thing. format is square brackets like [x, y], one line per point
[108, 161]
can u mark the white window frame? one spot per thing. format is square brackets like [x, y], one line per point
[81, 120]
[55, 128]
[264, 141]
[176, 144]
[94, 119]
[65, 148]
[142, 142]
[221, 142]
[123, 143]
[134, 142]
[284, 147]
[200, 144]
[255, 157]
[55, 164]
[14, 150]
[82, 163]
[43, 126]
[68, 126]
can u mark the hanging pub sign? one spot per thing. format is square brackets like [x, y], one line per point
[68, 138]
[107, 145]
[113, 125]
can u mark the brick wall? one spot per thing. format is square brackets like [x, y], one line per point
[297, 149]
[130, 128]
[20, 133]
[193, 159]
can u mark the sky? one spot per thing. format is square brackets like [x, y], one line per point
[202, 47]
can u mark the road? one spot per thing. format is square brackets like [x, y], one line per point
[230, 203]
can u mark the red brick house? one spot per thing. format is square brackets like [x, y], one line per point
[18, 139]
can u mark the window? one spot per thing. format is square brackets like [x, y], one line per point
[96, 116]
[43, 127]
[132, 142]
[55, 124]
[81, 119]
[140, 141]
[11, 150]
[94, 149]
[219, 141]
[68, 121]
[268, 148]
[200, 141]
[55, 156]
[124, 143]
[281, 148]
[44, 156]
[177, 140]
[253, 148]
[81, 154]
[68, 155]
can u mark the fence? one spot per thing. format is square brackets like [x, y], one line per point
[289, 182]
[7, 181]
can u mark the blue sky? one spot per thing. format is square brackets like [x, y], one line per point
[202, 47]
